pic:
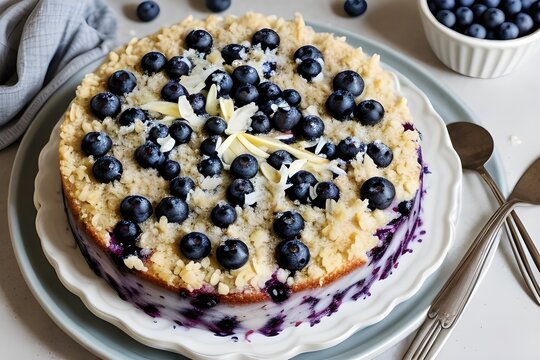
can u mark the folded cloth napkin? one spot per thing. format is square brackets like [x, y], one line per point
[42, 44]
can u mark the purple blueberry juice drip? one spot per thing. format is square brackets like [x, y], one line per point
[202, 308]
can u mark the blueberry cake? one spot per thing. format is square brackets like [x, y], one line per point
[241, 174]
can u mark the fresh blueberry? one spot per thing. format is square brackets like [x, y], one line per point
[340, 104]
[245, 94]
[510, 7]
[307, 52]
[209, 145]
[292, 97]
[380, 153]
[232, 52]
[268, 91]
[195, 246]
[349, 80]
[478, 11]
[288, 224]
[309, 69]
[153, 62]
[303, 177]
[269, 69]
[446, 17]
[96, 144]
[507, 31]
[198, 103]
[260, 124]
[245, 74]
[432, 7]
[222, 80]
[158, 131]
[298, 192]
[534, 12]
[169, 169]
[278, 158]
[302, 181]
[223, 215]
[292, 255]
[445, 4]
[310, 127]
[147, 11]
[126, 232]
[464, 16]
[136, 208]
[107, 169]
[181, 186]
[105, 104]
[237, 190]
[244, 166]
[355, 7]
[349, 147]
[467, 3]
[267, 38]
[173, 208]
[232, 254]
[149, 155]
[129, 116]
[199, 40]
[172, 91]
[526, 4]
[178, 66]
[491, 3]
[369, 112]
[378, 191]
[122, 82]
[218, 5]
[325, 190]
[211, 166]
[180, 131]
[328, 150]
[215, 125]
[524, 23]
[476, 31]
[268, 107]
[493, 18]
[286, 119]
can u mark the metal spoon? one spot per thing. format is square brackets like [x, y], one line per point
[456, 292]
[474, 146]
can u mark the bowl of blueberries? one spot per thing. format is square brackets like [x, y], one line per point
[481, 38]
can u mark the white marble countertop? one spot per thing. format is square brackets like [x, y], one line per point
[501, 321]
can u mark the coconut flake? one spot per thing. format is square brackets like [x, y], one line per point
[252, 198]
[240, 119]
[320, 145]
[195, 82]
[269, 172]
[227, 109]
[186, 112]
[162, 107]
[226, 144]
[253, 149]
[212, 105]
[167, 143]
[296, 166]
[313, 192]
[318, 78]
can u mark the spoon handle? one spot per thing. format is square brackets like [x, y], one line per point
[458, 289]
[514, 239]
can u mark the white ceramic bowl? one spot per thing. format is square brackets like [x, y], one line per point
[475, 57]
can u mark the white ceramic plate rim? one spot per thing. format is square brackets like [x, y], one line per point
[59, 248]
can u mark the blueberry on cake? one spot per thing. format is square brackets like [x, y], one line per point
[241, 174]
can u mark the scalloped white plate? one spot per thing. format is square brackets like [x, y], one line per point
[440, 213]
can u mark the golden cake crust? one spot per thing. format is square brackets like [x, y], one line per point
[338, 238]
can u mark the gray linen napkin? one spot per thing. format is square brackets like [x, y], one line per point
[42, 44]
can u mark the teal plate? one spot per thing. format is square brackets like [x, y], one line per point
[107, 341]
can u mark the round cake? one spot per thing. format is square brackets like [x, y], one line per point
[241, 173]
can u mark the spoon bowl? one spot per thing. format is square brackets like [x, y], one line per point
[472, 142]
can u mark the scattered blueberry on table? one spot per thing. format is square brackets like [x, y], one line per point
[218, 5]
[355, 8]
[147, 11]
[488, 19]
